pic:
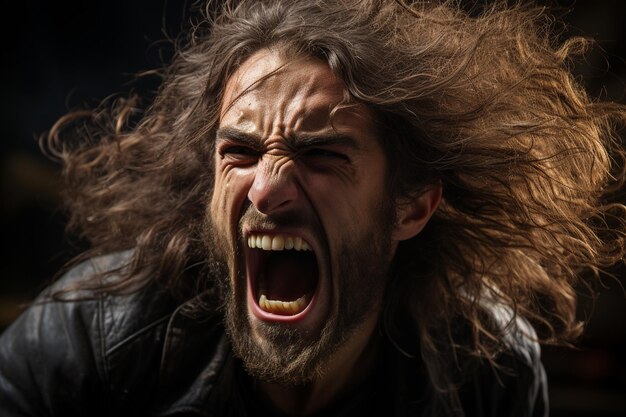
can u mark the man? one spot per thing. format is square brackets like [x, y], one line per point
[331, 208]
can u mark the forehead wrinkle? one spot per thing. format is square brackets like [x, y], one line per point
[287, 103]
[288, 109]
[248, 78]
[280, 121]
[312, 104]
[300, 99]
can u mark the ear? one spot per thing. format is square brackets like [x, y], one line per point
[412, 215]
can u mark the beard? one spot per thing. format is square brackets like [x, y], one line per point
[287, 355]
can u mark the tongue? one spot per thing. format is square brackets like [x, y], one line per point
[289, 275]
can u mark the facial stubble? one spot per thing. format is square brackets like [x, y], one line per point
[284, 354]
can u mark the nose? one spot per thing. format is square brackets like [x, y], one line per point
[274, 187]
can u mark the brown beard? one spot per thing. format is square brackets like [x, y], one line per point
[288, 356]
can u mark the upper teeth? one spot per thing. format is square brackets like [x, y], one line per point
[277, 242]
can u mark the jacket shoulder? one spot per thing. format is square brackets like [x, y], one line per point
[120, 316]
[516, 384]
[61, 356]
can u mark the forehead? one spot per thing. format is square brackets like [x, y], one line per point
[268, 92]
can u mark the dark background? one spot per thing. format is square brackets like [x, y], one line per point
[70, 53]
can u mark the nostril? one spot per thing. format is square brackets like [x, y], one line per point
[271, 202]
[264, 205]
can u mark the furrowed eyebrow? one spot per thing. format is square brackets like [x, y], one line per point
[299, 141]
[228, 133]
[311, 141]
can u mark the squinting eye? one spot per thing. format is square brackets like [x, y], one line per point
[238, 150]
[325, 154]
[239, 153]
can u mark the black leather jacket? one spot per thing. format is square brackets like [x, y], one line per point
[143, 355]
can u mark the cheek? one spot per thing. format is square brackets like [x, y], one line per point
[350, 214]
[344, 212]
[218, 201]
[345, 204]
[229, 194]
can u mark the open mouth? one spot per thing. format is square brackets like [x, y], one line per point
[283, 275]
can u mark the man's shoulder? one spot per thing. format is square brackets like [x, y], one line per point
[108, 350]
[514, 383]
[510, 381]
[118, 316]
[517, 336]
[112, 264]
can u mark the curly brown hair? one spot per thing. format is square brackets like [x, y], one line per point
[483, 102]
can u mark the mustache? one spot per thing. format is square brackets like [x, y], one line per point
[254, 219]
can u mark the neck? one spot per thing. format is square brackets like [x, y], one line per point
[347, 368]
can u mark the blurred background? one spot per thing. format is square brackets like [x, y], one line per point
[72, 53]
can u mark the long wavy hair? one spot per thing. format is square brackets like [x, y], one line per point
[483, 102]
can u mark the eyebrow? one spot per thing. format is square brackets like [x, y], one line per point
[236, 135]
[296, 141]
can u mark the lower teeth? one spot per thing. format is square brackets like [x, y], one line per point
[283, 307]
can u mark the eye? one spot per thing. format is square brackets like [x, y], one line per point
[324, 154]
[238, 150]
[239, 153]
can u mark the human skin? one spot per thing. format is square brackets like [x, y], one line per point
[278, 150]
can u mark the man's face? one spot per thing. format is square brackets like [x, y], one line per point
[299, 218]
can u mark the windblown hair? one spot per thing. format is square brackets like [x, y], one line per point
[483, 102]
